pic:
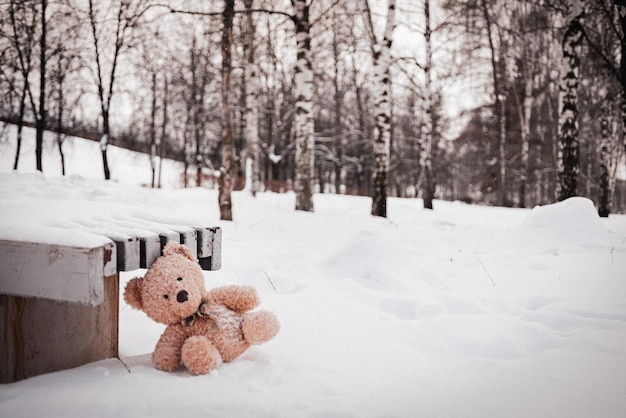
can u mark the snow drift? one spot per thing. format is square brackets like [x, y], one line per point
[460, 311]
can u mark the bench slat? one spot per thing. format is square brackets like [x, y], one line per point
[210, 248]
[149, 250]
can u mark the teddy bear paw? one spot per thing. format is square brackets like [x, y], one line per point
[259, 327]
[199, 356]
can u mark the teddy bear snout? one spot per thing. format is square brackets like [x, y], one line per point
[182, 296]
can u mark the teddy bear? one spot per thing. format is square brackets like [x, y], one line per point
[204, 327]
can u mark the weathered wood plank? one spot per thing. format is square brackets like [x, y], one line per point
[55, 271]
[149, 250]
[41, 335]
[167, 237]
[137, 246]
[188, 237]
[128, 252]
[210, 247]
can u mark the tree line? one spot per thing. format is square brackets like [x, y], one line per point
[512, 103]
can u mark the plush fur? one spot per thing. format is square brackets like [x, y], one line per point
[204, 328]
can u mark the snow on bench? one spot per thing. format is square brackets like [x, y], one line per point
[59, 297]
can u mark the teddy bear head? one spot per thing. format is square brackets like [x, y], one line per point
[172, 289]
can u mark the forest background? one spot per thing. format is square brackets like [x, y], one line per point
[511, 103]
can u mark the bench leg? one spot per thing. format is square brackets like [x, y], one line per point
[42, 335]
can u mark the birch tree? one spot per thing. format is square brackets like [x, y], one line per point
[428, 127]
[252, 99]
[340, 138]
[303, 123]
[381, 54]
[524, 103]
[603, 32]
[568, 147]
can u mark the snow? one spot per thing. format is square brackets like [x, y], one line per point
[460, 311]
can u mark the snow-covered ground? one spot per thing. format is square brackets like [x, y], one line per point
[461, 311]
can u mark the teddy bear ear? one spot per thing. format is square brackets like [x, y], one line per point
[132, 293]
[172, 247]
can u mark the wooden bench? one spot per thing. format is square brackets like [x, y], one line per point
[59, 304]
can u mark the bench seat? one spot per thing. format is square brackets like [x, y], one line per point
[59, 303]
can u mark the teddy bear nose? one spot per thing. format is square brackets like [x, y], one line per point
[182, 296]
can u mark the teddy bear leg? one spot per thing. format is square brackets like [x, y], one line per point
[166, 355]
[259, 327]
[199, 355]
[167, 359]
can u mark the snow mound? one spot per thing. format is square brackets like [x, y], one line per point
[573, 221]
[375, 253]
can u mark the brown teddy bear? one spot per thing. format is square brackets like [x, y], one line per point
[204, 328]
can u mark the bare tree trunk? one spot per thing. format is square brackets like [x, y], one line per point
[153, 111]
[126, 20]
[229, 164]
[40, 123]
[568, 151]
[195, 111]
[104, 143]
[538, 174]
[381, 53]
[340, 140]
[361, 124]
[60, 109]
[608, 154]
[428, 128]
[303, 123]
[163, 141]
[525, 154]
[104, 101]
[604, 204]
[498, 90]
[23, 40]
[622, 14]
[524, 107]
[20, 125]
[252, 100]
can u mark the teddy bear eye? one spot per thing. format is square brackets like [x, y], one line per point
[166, 297]
[180, 279]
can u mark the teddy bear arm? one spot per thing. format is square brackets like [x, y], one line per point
[237, 298]
[167, 353]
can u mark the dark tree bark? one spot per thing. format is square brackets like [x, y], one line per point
[126, 21]
[164, 124]
[498, 90]
[229, 164]
[60, 109]
[153, 145]
[23, 41]
[622, 15]
[40, 123]
[604, 204]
